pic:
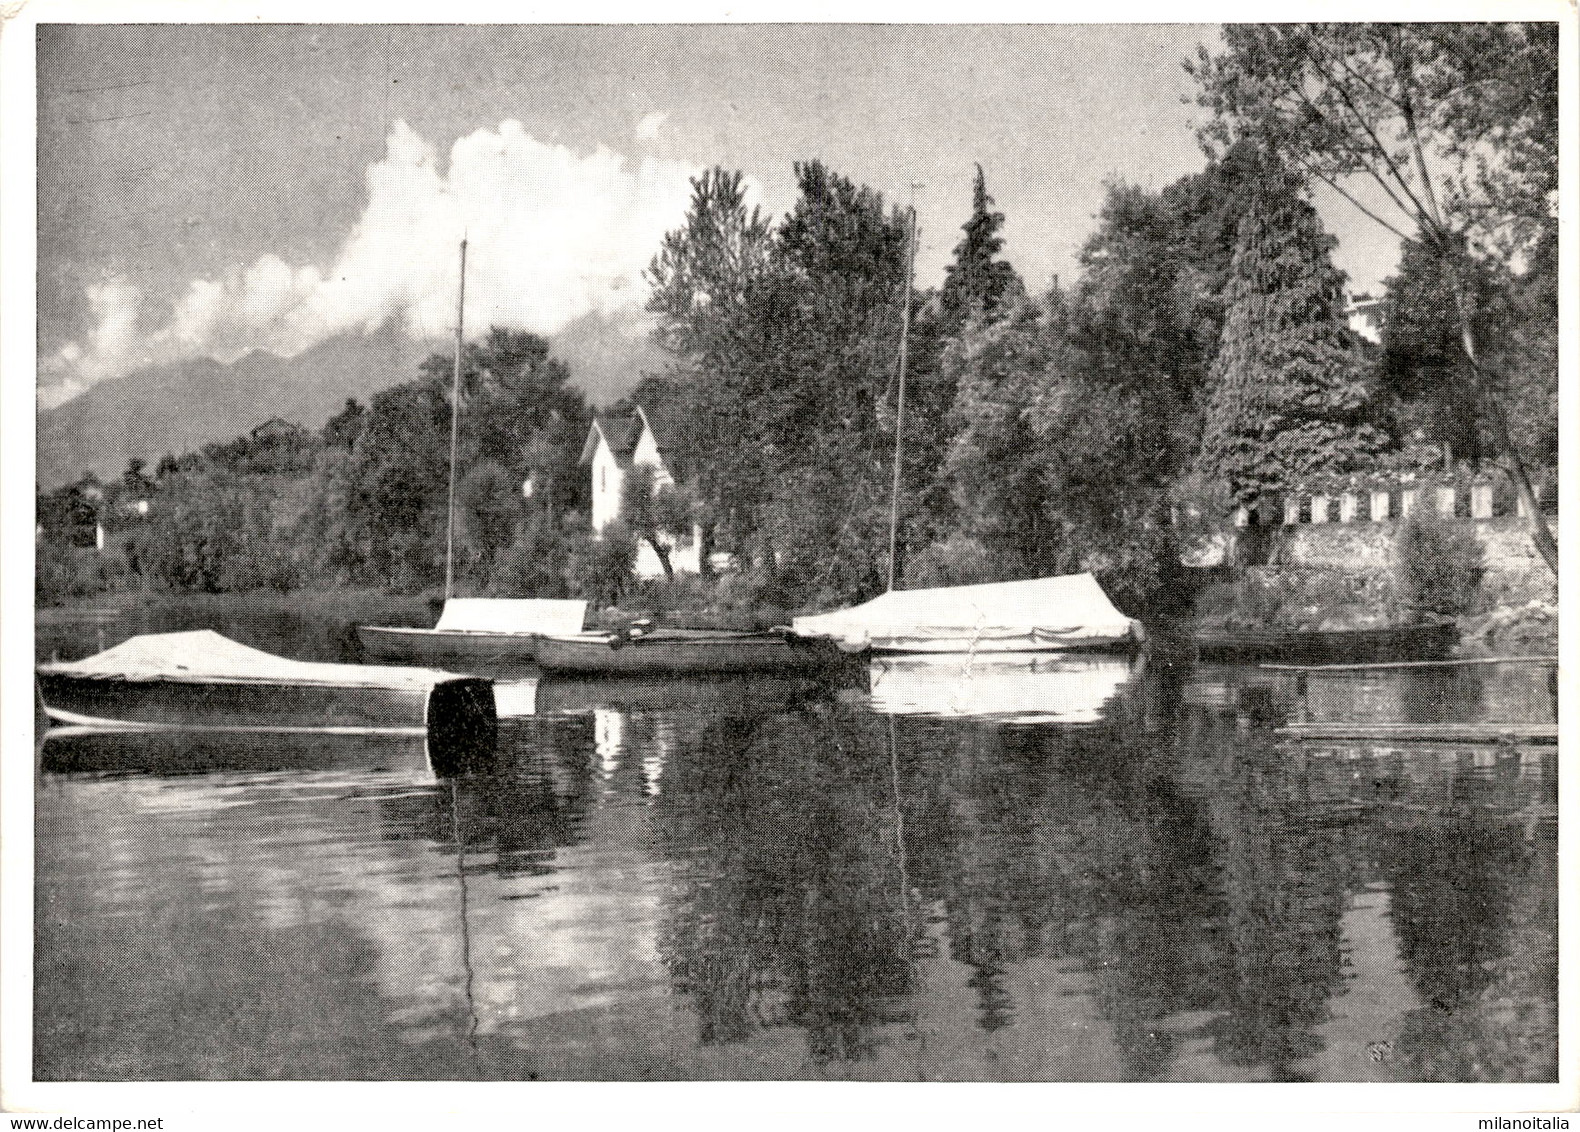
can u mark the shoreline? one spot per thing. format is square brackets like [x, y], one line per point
[348, 604]
[1491, 633]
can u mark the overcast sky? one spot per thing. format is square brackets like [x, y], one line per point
[207, 189]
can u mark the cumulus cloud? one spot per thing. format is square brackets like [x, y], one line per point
[554, 235]
[111, 348]
[647, 129]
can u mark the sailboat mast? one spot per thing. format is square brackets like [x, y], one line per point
[899, 406]
[455, 429]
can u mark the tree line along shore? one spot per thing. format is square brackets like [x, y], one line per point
[1203, 362]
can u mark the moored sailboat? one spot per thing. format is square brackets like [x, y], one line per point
[498, 632]
[494, 632]
[1031, 615]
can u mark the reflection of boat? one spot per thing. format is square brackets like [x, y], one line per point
[675, 651]
[1036, 688]
[1429, 641]
[714, 695]
[201, 681]
[487, 631]
[1036, 615]
[98, 750]
[1229, 688]
[517, 696]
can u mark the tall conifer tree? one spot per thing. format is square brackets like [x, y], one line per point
[976, 284]
[977, 280]
[1287, 393]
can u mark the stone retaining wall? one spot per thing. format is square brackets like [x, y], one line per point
[1515, 573]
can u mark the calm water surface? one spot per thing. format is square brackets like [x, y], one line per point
[1073, 870]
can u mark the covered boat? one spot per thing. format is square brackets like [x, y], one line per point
[202, 681]
[475, 630]
[1036, 615]
[674, 651]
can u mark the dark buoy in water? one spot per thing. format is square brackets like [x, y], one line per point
[462, 727]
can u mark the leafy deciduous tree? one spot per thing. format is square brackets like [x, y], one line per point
[1001, 368]
[785, 345]
[657, 513]
[489, 501]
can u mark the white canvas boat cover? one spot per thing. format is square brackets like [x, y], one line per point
[1066, 688]
[512, 615]
[203, 654]
[1034, 614]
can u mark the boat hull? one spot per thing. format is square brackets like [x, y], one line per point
[220, 705]
[599, 654]
[445, 645]
[1398, 642]
[1031, 615]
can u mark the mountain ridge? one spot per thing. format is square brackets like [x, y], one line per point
[181, 406]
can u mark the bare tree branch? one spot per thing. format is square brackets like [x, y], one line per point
[1334, 185]
[1360, 120]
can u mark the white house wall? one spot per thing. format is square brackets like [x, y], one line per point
[608, 478]
[608, 483]
[608, 488]
[647, 453]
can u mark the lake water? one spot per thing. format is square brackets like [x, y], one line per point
[1078, 869]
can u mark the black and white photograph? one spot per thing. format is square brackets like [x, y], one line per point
[787, 551]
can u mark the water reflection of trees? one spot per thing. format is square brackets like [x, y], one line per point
[525, 805]
[790, 909]
[1179, 856]
[1475, 909]
[1290, 855]
[1171, 858]
[1176, 859]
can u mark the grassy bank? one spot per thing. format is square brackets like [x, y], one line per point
[350, 605]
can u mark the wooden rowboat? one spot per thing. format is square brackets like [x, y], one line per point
[477, 632]
[676, 651]
[201, 681]
[1428, 641]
